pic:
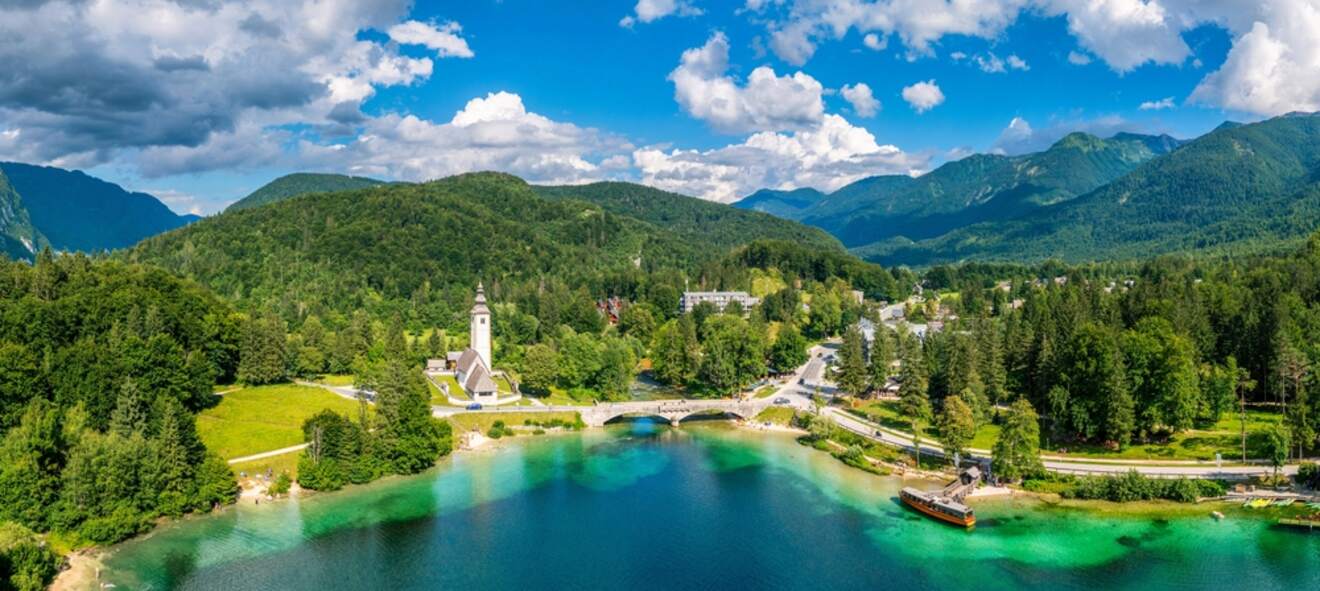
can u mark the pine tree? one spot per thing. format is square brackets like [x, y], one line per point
[852, 365]
[957, 426]
[131, 412]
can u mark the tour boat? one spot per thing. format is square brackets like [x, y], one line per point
[942, 508]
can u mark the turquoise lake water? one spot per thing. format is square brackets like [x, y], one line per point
[701, 507]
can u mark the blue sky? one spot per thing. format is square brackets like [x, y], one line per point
[712, 99]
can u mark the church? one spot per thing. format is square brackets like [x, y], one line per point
[471, 368]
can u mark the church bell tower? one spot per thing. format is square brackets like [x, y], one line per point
[480, 334]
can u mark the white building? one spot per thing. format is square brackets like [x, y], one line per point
[720, 299]
[471, 367]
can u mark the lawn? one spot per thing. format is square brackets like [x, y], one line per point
[1224, 437]
[886, 414]
[483, 420]
[779, 415]
[438, 397]
[766, 390]
[255, 420]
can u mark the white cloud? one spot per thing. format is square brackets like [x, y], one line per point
[861, 99]
[767, 102]
[1270, 68]
[495, 132]
[1017, 63]
[826, 157]
[923, 96]
[1164, 103]
[990, 63]
[875, 42]
[652, 10]
[957, 56]
[1078, 59]
[443, 39]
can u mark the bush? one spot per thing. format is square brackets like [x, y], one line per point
[322, 475]
[281, 485]
[1308, 475]
[1135, 487]
[123, 523]
[26, 564]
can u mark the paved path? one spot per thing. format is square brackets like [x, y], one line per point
[269, 454]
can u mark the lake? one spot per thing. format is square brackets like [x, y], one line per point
[701, 507]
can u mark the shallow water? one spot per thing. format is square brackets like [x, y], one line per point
[702, 507]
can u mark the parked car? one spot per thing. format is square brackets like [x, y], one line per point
[781, 401]
[474, 406]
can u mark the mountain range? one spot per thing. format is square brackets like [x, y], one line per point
[301, 183]
[69, 210]
[1240, 187]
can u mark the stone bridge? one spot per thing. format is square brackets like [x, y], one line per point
[673, 411]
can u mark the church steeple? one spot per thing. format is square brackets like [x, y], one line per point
[479, 337]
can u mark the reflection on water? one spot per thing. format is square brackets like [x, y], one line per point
[644, 506]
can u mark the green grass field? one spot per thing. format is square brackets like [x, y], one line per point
[779, 415]
[255, 420]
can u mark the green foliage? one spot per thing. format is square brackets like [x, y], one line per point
[852, 376]
[301, 183]
[789, 350]
[1016, 454]
[690, 218]
[1237, 190]
[26, 562]
[1308, 475]
[281, 485]
[979, 188]
[1132, 486]
[263, 358]
[957, 426]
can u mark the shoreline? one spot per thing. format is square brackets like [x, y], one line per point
[82, 566]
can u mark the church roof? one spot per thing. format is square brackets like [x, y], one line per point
[467, 360]
[479, 380]
[479, 302]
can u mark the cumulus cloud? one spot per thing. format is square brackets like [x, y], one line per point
[652, 10]
[1270, 68]
[860, 97]
[875, 42]
[1164, 103]
[826, 157]
[443, 39]
[1017, 63]
[923, 96]
[767, 102]
[494, 132]
[175, 87]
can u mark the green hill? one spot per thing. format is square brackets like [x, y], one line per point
[300, 183]
[19, 239]
[693, 219]
[1237, 189]
[979, 188]
[76, 211]
[383, 249]
[784, 204]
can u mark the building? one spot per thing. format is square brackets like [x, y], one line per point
[721, 299]
[471, 367]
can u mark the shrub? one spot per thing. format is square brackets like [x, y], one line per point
[1135, 487]
[281, 484]
[1308, 474]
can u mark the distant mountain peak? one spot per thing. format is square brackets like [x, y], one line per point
[301, 183]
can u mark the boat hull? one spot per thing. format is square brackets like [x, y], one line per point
[922, 506]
